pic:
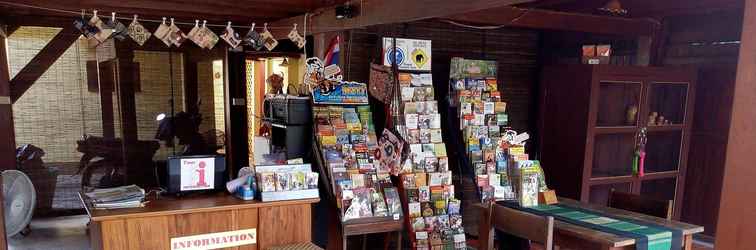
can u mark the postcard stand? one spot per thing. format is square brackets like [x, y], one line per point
[347, 95]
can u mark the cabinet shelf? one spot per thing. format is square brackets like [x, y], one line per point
[590, 116]
[615, 130]
[664, 128]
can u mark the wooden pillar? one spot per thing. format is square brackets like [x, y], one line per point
[127, 103]
[8, 144]
[737, 209]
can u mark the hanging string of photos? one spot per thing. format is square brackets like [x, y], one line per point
[171, 35]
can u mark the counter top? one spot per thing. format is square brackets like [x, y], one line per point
[190, 204]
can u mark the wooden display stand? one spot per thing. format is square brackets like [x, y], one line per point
[339, 230]
[153, 226]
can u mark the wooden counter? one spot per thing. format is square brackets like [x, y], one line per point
[153, 226]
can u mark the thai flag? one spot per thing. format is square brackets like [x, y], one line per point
[332, 54]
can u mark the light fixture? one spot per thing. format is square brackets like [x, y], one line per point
[345, 11]
[285, 63]
[613, 7]
[160, 117]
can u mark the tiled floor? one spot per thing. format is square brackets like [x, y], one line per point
[69, 233]
[61, 233]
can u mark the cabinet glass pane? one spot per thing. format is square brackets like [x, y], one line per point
[660, 189]
[667, 103]
[618, 104]
[613, 155]
[600, 193]
[662, 151]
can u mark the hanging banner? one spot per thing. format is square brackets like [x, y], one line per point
[327, 86]
[410, 54]
[461, 68]
[340, 92]
[215, 240]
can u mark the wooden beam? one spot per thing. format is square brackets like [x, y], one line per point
[374, 12]
[555, 20]
[737, 208]
[42, 61]
[8, 143]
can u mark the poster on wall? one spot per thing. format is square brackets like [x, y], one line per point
[327, 86]
[197, 174]
[340, 92]
[410, 54]
[461, 68]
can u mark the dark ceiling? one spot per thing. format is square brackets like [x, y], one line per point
[239, 11]
[639, 8]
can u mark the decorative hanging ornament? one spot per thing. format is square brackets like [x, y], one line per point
[268, 40]
[295, 37]
[119, 30]
[103, 32]
[82, 24]
[231, 37]
[162, 33]
[175, 35]
[137, 32]
[208, 37]
[192, 35]
[253, 39]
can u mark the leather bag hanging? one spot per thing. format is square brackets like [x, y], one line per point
[381, 83]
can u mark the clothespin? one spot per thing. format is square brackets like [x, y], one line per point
[112, 16]
[295, 27]
[135, 18]
[265, 27]
[83, 13]
[94, 13]
[172, 21]
[196, 23]
[228, 26]
[204, 23]
[253, 26]
[164, 20]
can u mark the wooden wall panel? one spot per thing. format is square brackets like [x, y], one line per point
[114, 235]
[203, 223]
[149, 232]
[737, 208]
[287, 219]
[247, 218]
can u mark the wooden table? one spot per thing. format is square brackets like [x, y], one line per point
[153, 226]
[572, 236]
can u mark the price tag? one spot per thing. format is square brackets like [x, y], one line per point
[396, 216]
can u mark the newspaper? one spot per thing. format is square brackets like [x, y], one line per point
[117, 197]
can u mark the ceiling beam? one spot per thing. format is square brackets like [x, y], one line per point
[554, 20]
[42, 61]
[374, 12]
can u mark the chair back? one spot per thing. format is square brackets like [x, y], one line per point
[639, 204]
[517, 223]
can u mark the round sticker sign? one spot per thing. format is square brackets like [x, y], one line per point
[399, 55]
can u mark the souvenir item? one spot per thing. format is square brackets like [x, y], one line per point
[268, 40]
[454, 206]
[381, 82]
[162, 33]
[205, 37]
[414, 209]
[418, 224]
[413, 195]
[119, 30]
[231, 37]
[175, 35]
[426, 208]
[391, 151]
[424, 193]
[253, 39]
[192, 35]
[379, 204]
[311, 181]
[393, 202]
[103, 32]
[295, 37]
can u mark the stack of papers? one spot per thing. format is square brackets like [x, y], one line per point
[117, 197]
